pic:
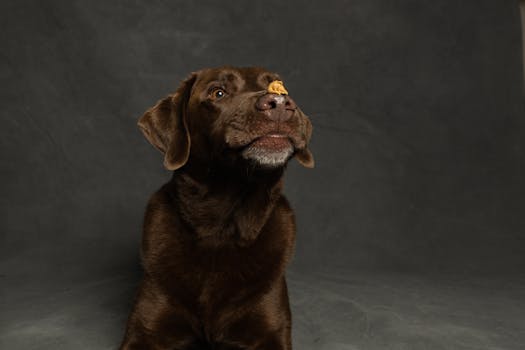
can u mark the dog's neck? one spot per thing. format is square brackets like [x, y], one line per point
[222, 205]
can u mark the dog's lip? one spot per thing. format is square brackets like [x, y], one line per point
[274, 136]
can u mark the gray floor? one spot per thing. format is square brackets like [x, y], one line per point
[331, 311]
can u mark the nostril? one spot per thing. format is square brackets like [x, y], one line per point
[290, 104]
[272, 104]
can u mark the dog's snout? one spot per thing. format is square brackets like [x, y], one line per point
[276, 107]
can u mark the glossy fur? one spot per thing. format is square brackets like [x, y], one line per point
[218, 236]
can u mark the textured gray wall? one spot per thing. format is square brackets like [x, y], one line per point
[417, 106]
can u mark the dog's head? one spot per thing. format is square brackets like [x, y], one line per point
[230, 116]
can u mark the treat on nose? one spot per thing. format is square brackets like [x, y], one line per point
[277, 87]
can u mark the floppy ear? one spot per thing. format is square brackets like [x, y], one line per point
[304, 156]
[164, 126]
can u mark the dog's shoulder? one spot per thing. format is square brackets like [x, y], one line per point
[163, 229]
[160, 210]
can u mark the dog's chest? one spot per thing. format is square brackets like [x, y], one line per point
[226, 279]
[211, 274]
[232, 270]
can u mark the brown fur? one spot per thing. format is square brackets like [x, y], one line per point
[218, 236]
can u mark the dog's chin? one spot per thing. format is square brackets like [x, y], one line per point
[269, 151]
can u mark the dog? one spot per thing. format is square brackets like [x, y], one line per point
[218, 236]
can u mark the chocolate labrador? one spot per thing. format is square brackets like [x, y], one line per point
[218, 236]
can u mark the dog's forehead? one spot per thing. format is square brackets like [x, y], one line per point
[245, 78]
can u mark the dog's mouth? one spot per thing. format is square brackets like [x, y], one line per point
[272, 142]
[270, 150]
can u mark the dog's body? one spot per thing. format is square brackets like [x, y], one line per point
[218, 236]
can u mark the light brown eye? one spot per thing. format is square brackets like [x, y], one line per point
[217, 93]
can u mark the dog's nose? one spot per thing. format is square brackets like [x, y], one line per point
[276, 107]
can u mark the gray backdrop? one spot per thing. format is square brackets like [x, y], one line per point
[417, 107]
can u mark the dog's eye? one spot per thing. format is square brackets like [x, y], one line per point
[217, 93]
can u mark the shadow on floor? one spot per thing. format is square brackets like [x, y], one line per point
[331, 311]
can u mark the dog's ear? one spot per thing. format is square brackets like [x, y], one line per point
[305, 158]
[164, 126]
[303, 155]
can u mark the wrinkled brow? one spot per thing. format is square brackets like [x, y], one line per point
[231, 77]
[266, 78]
